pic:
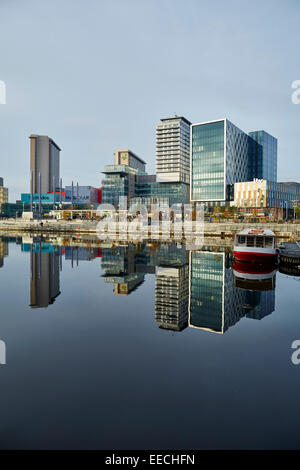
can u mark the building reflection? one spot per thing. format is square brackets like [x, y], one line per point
[45, 265]
[218, 299]
[3, 251]
[204, 289]
[171, 297]
[75, 254]
[199, 289]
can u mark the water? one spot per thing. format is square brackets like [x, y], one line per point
[145, 347]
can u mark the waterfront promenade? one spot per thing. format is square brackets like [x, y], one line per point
[213, 229]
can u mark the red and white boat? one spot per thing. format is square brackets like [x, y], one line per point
[255, 245]
[254, 276]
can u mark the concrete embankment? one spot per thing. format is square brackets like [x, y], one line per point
[223, 230]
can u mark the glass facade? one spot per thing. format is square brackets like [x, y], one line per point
[142, 189]
[208, 162]
[219, 159]
[114, 186]
[263, 156]
[158, 192]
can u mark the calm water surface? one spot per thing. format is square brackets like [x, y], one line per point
[144, 347]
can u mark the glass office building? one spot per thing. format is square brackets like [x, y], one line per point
[263, 156]
[119, 181]
[140, 188]
[156, 192]
[219, 158]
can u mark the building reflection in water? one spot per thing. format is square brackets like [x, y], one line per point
[171, 297]
[218, 300]
[45, 264]
[3, 251]
[201, 289]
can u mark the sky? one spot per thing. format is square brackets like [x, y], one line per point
[99, 75]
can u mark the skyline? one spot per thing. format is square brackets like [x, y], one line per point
[98, 85]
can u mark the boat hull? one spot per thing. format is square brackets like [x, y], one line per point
[260, 256]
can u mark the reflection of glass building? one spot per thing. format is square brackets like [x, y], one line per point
[81, 253]
[263, 161]
[126, 266]
[217, 300]
[219, 158]
[44, 283]
[171, 297]
[260, 303]
[119, 267]
[214, 303]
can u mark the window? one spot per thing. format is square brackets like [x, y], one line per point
[250, 241]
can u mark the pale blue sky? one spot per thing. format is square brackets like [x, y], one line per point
[96, 76]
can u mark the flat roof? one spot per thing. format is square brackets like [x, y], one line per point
[132, 153]
[265, 132]
[177, 117]
[34, 136]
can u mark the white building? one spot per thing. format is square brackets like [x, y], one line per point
[173, 150]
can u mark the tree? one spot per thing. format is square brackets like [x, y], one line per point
[297, 211]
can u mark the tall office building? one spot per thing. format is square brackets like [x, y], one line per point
[44, 159]
[173, 150]
[219, 158]
[263, 156]
[3, 193]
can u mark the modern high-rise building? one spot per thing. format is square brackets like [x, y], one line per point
[219, 158]
[3, 193]
[44, 159]
[263, 156]
[173, 150]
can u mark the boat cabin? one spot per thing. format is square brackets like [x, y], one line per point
[256, 238]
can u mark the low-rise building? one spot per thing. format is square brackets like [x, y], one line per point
[82, 195]
[264, 194]
[130, 180]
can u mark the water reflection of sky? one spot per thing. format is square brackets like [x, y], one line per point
[121, 343]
